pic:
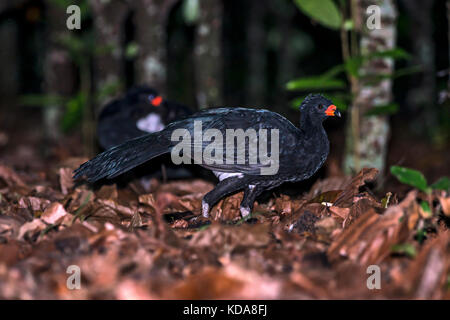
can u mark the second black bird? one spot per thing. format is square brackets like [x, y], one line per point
[141, 111]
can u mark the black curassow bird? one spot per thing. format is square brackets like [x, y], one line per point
[140, 111]
[301, 151]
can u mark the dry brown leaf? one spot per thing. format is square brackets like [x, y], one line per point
[283, 205]
[326, 226]
[148, 200]
[133, 290]
[65, 179]
[427, 275]
[9, 226]
[10, 177]
[108, 192]
[13, 251]
[345, 199]
[341, 213]
[180, 223]
[30, 229]
[227, 209]
[370, 238]
[329, 184]
[123, 210]
[34, 203]
[77, 199]
[328, 197]
[233, 282]
[53, 213]
[445, 203]
[227, 238]
[192, 202]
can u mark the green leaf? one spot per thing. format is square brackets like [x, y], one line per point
[323, 11]
[382, 110]
[314, 83]
[411, 177]
[442, 184]
[352, 65]
[349, 25]
[421, 235]
[425, 206]
[131, 50]
[395, 53]
[405, 248]
[397, 74]
[325, 81]
[74, 112]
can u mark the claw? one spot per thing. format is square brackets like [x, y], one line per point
[205, 209]
[245, 212]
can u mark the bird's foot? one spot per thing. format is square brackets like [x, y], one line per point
[245, 212]
[205, 209]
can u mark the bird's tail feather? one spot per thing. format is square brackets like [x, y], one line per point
[124, 157]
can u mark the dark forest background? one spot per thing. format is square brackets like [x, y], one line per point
[372, 223]
[54, 81]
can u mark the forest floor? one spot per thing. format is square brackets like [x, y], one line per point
[130, 243]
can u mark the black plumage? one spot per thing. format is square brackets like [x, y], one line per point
[142, 110]
[302, 151]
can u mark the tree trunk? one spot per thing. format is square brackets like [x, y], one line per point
[256, 46]
[109, 18]
[420, 96]
[58, 70]
[367, 137]
[150, 22]
[9, 86]
[208, 54]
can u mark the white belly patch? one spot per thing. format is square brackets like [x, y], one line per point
[223, 175]
[151, 123]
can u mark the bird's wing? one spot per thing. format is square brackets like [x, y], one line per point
[251, 122]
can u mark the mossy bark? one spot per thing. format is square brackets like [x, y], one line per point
[59, 73]
[150, 19]
[367, 137]
[109, 18]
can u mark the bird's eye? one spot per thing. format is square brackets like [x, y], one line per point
[320, 106]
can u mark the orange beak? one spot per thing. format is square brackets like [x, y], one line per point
[156, 101]
[331, 111]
